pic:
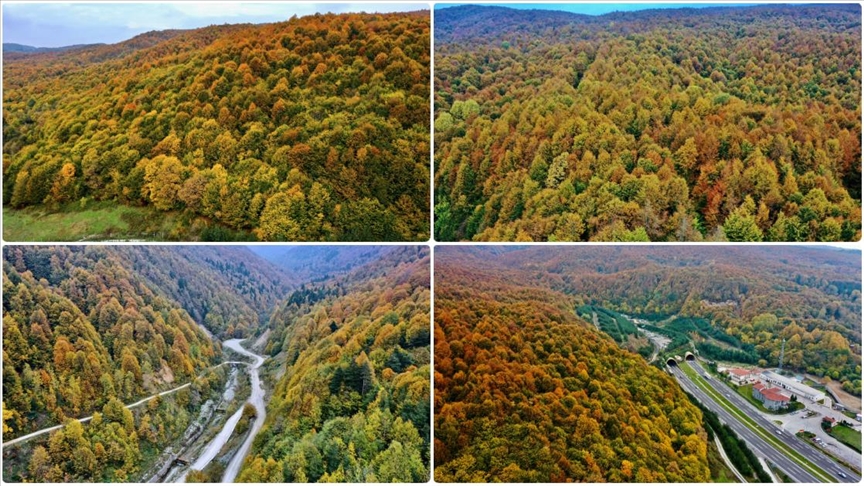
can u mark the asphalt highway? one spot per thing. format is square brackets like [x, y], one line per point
[788, 437]
[757, 444]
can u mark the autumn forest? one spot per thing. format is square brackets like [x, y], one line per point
[640, 321]
[731, 123]
[311, 129]
[92, 333]
[529, 389]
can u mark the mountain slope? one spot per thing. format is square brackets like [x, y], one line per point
[306, 264]
[227, 289]
[758, 295]
[351, 400]
[79, 329]
[316, 128]
[736, 123]
[527, 392]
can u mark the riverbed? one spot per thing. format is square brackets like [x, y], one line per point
[256, 399]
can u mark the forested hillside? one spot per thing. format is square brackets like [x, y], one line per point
[81, 331]
[88, 329]
[525, 391]
[737, 123]
[228, 289]
[351, 403]
[305, 263]
[810, 296]
[316, 128]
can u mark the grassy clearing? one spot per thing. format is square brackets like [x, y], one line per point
[106, 220]
[718, 397]
[96, 221]
[847, 435]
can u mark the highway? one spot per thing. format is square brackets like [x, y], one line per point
[760, 446]
[798, 445]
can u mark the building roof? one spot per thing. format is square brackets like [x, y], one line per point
[740, 372]
[759, 387]
[774, 395]
[797, 387]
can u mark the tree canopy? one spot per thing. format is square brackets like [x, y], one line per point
[352, 404]
[734, 123]
[525, 391]
[316, 128]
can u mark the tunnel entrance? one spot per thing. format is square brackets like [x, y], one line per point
[671, 362]
[689, 356]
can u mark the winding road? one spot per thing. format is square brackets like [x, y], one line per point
[46, 430]
[257, 400]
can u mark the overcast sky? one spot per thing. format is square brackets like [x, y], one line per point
[63, 24]
[601, 8]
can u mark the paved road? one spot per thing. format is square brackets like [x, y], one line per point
[801, 447]
[759, 447]
[31, 435]
[795, 421]
[257, 401]
[46, 430]
[757, 444]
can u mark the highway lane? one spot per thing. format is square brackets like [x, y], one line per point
[788, 437]
[757, 444]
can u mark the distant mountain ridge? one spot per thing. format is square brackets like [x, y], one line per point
[9, 47]
[309, 263]
[462, 22]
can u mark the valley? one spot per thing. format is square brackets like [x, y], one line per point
[579, 322]
[113, 307]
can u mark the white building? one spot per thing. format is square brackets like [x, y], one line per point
[772, 398]
[740, 376]
[795, 388]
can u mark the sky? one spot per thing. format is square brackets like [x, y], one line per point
[601, 8]
[64, 24]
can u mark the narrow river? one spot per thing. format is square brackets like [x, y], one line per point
[257, 400]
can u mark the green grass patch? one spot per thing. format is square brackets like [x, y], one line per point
[107, 220]
[749, 422]
[96, 221]
[847, 435]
